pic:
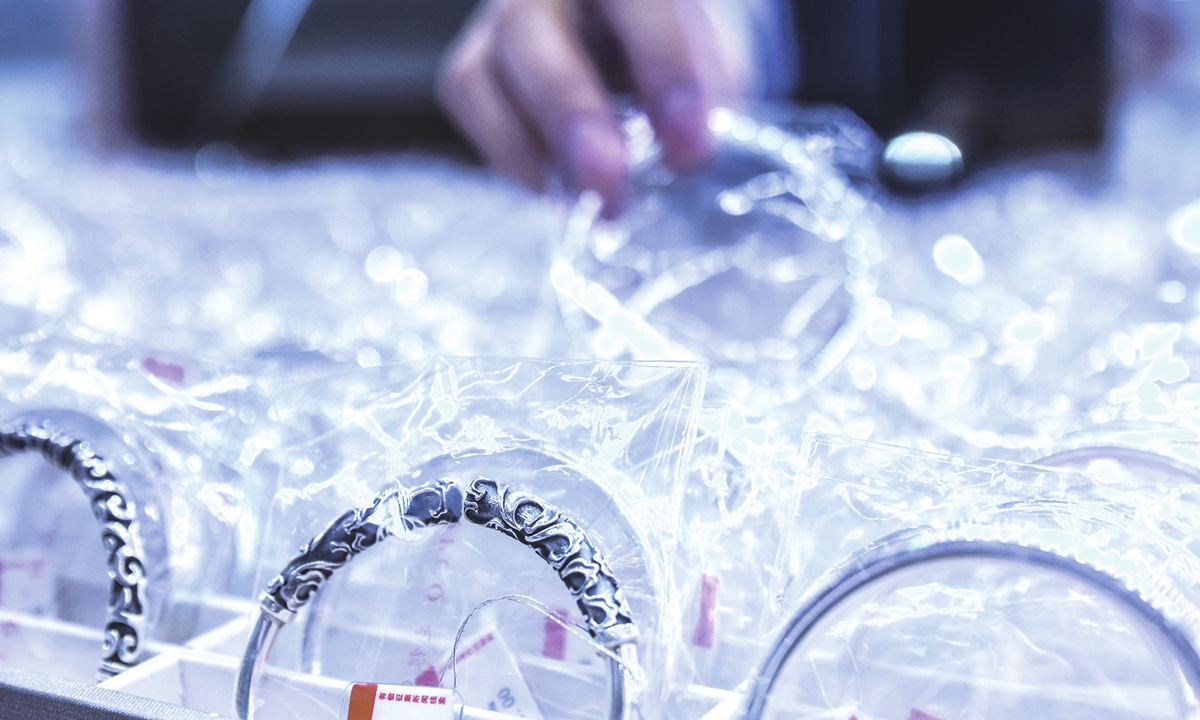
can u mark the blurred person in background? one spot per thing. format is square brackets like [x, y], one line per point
[531, 82]
[528, 82]
[535, 85]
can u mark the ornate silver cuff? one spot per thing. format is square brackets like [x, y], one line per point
[71, 443]
[875, 565]
[555, 537]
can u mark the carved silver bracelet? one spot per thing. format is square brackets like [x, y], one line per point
[86, 450]
[555, 537]
[875, 565]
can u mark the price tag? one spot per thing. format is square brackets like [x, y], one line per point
[399, 702]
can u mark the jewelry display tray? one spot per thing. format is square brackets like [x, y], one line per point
[190, 680]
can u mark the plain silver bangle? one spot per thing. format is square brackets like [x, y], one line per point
[878, 564]
[1085, 449]
[556, 538]
[79, 446]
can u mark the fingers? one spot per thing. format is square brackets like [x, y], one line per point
[522, 87]
[656, 41]
[721, 58]
[542, 63]
[472, 93]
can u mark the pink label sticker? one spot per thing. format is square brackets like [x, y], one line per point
[165, 370]
[706, 621]
[554, 642]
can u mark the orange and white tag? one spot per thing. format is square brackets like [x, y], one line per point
[398, 702]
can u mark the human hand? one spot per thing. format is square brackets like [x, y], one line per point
[523, 83]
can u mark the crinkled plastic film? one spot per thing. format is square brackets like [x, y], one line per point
[982, 589]
[1134, 454]
[761, 264]
[216, 254]
[605, 443]
[736, 510]
[1022, 306]
[167, 430]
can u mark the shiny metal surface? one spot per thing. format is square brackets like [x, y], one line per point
[921, 160]
[258, 648]
[565, 547]
[356, 530]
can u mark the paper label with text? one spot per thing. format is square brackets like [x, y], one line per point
[399, 702]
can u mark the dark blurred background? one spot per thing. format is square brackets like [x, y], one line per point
[296, 77]
[289, 76]
[999, 77]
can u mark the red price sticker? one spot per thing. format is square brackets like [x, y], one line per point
[399, 702]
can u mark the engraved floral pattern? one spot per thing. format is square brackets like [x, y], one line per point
[438, 502]
[554, 537]
[126, 619]
[564, 546]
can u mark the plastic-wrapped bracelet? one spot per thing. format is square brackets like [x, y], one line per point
[1148, 462]
[552, 535]
[85, 449]
[763, 263]
[876, 566]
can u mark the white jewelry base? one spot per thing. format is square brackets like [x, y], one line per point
[200, 674]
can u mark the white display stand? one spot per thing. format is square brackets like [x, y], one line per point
[53, 673]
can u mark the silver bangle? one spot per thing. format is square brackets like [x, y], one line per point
[555, 537]
[1078, 456]
[874, 566]
[71, 442]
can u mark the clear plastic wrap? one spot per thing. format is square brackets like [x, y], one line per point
[1133, 409]
[1135, 454]
[761, 264]
[605, 443]
[1031, 310]
[996, 316]
[981, 628]
[212, 253]
[736, 512]
[926, 585]
[1014, 310]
